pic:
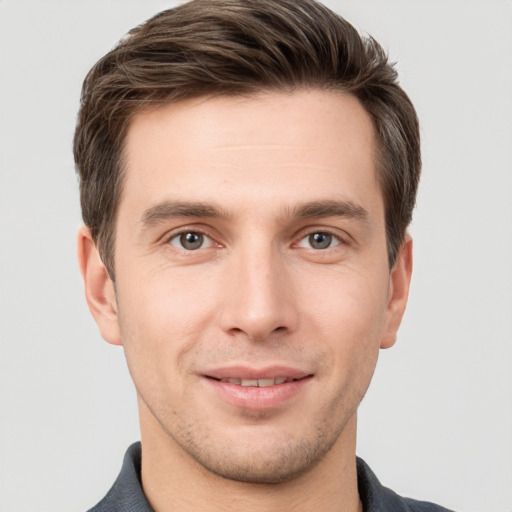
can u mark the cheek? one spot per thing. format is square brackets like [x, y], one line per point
[347, 311]
[166, 297]
[347, 300]
[161, 316]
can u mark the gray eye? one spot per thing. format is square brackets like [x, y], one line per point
[190, 241]
[320, 240]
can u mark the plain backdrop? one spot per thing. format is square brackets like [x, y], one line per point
[437, 421]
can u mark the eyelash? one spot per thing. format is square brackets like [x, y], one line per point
[332, 237]
[177, 236]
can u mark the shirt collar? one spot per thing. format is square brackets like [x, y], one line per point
[126, 494]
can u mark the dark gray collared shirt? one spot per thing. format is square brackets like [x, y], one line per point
[126, 494]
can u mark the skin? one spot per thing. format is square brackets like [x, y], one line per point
[255, 178]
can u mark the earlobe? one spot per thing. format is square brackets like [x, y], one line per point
[99, 288]
[400, 280]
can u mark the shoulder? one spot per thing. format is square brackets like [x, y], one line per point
[377, 498]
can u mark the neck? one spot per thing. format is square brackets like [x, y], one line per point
[172, 480]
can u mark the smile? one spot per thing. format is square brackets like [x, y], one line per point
[260, 383]
[257, 389]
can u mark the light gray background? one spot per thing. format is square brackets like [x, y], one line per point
[437, 421]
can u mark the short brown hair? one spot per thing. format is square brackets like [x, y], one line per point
[234, 47]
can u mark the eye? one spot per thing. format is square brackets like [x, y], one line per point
[190, 241]
[319, 240]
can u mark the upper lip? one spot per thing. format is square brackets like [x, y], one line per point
[255, 373]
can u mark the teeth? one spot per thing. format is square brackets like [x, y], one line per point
[249, 382]
[265, 382]
[261, 383]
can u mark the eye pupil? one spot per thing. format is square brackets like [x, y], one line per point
[320, 240]
[191, 241]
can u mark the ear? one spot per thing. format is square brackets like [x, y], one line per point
[399, 282]
[99, 288]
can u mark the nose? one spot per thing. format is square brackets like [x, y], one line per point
[261, 299]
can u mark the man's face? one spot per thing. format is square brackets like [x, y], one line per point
[253, 289]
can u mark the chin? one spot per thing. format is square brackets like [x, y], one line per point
[276, 462]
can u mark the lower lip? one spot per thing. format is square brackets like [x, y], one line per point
[256, 398]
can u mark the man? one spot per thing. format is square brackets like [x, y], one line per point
[248, 170]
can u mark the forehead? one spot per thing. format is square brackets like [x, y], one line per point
[272, 146]
[335, 117]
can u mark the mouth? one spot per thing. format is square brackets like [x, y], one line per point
[246, 388]
[260, 383]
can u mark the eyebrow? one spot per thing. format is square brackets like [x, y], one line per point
[178, 209]
[312, 209]
[330, 208]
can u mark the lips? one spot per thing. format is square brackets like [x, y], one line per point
[257, 389]
[260, 383]
[238, 374]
